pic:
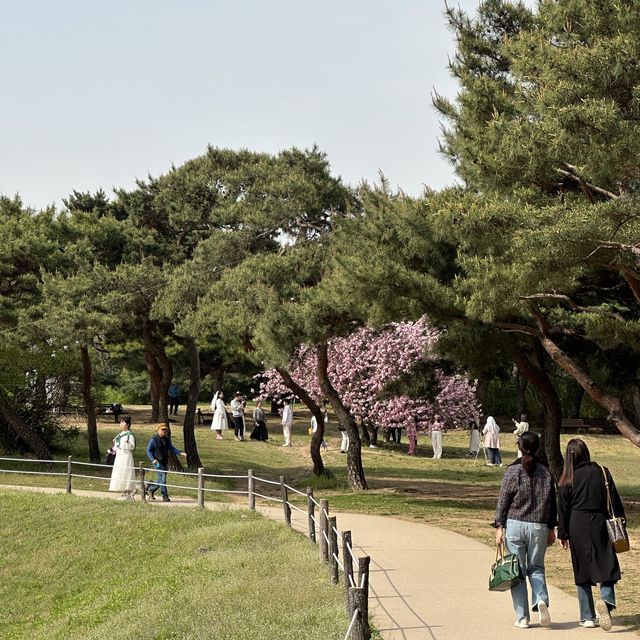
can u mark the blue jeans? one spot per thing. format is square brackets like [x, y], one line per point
[494, 455]
[585, 599]
[528, 540]
[160, 483]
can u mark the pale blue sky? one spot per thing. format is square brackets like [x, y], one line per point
[99, 93]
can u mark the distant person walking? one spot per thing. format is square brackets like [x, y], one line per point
[344, 443]
[158, 450]
[237, 411]
[521, 427]
[174, 398]
[219, 422]
[123, 474]
[259, 423]
[583, 509]
[287, 422]
[474, 438]
[412, 434]
[436, 430]
[491, 433]
[314, 428]
[526, 516]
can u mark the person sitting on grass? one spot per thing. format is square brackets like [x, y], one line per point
[158, 452]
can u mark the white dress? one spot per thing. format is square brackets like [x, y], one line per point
[123, 476]
[219, 421]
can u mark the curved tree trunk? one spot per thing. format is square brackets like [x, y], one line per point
[355, 471]
[533, 368]
[89, 404]
[27, 435]
[612, 404]
[314, 407]
[188, 428]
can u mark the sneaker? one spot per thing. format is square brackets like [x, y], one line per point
[588, 624]
[166, 499]
[543, 614]
[522, 623]
[219, 438]
[604, 615]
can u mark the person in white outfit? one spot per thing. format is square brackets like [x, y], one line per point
[314, 428]
[521, 427]
[123, 475]
[287, 422]
[491, 433]
[435, 430]
[219, 422]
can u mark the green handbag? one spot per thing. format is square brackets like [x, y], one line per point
[505, 571]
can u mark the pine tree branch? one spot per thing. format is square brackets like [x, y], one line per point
[589, 188]
[574, 305]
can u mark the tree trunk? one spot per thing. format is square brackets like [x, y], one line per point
[520, 385]
[314, 407]
[160, 371]
[155, 376]
[355, 471]
[188, 428]
[532, 366]
[612, 404]
[89, 404]
[481, 391]
[577, 394]
[365, 433]
[217, 376]
[27, 435]
[635, 394]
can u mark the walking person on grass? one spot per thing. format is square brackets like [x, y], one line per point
[158, 452]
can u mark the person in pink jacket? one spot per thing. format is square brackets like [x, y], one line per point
[491, 433]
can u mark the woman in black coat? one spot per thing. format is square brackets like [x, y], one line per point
[582, 511]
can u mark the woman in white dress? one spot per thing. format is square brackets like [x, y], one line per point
[219, 421]
[123, 475]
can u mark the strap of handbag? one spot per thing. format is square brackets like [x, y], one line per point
[606, 485]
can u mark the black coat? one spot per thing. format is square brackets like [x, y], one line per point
[582, 511]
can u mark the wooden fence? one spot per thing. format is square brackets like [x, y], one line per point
[335, 547]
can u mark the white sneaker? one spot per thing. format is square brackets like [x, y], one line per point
[588, 624]
[604, 615]
[543, 614]
[522, 623]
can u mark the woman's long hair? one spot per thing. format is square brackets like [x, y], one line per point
[529, 443]
[577, 452]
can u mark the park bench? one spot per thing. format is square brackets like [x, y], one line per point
[110, 409]
[203, 417]
[591, 425]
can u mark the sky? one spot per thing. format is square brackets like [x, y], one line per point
[97, 94]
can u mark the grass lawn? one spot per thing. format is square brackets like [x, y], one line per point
[455, 493]
[92, 569]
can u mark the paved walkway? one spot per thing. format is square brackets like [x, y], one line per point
[407, 598]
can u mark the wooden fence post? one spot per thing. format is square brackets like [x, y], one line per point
[361, 625]
[347, 562]
[333, 550]
[251, 490]
[363, 583]
[285, 501]
[324, 527]
[200, 487]
[311, 506]
[143, 493]
[69, 474]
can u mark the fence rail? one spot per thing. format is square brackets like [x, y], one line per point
[326, 536]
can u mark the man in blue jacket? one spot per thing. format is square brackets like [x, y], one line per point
[158, 452]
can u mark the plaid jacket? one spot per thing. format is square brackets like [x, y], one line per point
[527, 499]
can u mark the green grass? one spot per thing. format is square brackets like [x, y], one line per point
[92, 569]
[455, 493]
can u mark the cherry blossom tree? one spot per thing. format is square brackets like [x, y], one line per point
[364, 364]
